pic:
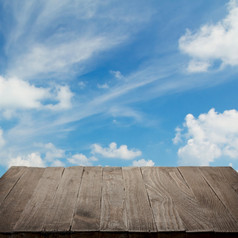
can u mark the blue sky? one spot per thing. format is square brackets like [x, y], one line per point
[118, 83]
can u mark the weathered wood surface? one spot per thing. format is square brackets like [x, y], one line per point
[185, 207]
[163, 206]
[139, 212]
[125, 202]
[113, 207]
[14, 204]
[88, 206]
[33, 216]
[222, 189]
[8, 181]
[219, 217]
[61, 209]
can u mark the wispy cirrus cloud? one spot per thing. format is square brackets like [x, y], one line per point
[2, 141]
[53, 39]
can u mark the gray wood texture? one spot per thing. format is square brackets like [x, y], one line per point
[139, 212]
[231, 176]
[8, 181]
[14, 204]
[61, 209]
[88, 206]
[164, 209]
[222, 189]
[34, 213]
[119, 202]
[113, 208]
[194, 220]
[216, 213]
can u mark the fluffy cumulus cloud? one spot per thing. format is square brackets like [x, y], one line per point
[16, 93]
[40, 155]
[208, 137]
[81, 159]
[113, 151]
[19, 94]
[143, 162]
[33, 160]
[213, 42]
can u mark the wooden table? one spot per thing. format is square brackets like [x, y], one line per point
[119, 202]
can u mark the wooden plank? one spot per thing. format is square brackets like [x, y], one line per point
[32, 218]
[139, 212]
[231, 176]
[216, 213]
[87, 211]
[12, 207]
[113, 210]
[222, 188]
[61, 210]
[8, 181]
[184, 200]
[164, 210]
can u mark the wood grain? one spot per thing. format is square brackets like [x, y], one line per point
[128, 202]
[222, 189]
[61, 209]
[186, 203]
[231, 176]
[8, 181]
[209, 203]
[88, 207]
[139, 212]
[12, 207]
[164, 210]
[32, 218]
[113, 210]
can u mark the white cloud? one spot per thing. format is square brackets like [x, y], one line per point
[31, 160]
[19, 94]
[81, 159]
[58, 163]
[198, 66]
[53, 153]
[113, 152]
[63, 96]
[213, 42]
[59, 46]
[2, 141]
[209, 137]
[58, 58]
[103, 86]
[16, 93]
[142, 162]
[117, 74]
[81, 84]
[178, 136]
